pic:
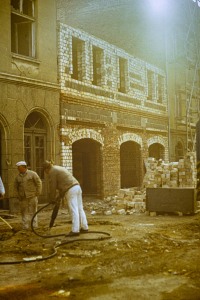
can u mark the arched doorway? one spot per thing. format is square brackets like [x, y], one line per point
[130, 165]
[157, 151]
[86, 158]
[35, 133]
[179, 151]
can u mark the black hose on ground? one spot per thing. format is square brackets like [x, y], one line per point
[40, 258]
[32, 227]
[63, 234]
[31, 259]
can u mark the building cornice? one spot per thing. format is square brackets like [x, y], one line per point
[21, 80]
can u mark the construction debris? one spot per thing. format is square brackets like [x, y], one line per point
[158, 174]
[173, 174]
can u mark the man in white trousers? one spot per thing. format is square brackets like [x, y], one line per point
[60, 179]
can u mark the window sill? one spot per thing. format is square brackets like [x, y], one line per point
[25, 59]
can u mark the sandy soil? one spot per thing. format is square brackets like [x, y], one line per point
[144, 258]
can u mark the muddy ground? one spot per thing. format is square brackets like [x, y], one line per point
[145, 257]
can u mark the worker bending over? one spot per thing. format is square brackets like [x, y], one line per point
[68, 186]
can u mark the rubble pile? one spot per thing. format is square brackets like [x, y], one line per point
[158, 174]
[128, 201]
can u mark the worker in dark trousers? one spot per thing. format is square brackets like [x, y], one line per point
[60, 179]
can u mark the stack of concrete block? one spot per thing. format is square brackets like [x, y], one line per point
[175, 174]
[152, 177]
[187, 171]
[165, 176]
[173, 167]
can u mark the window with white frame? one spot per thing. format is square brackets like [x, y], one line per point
[23, 27]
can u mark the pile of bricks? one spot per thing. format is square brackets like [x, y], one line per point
[187, 171]
[127, 202]
[158, 174]
[174, 174]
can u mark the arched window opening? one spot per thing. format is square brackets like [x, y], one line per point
[157, 151]
[35, 142]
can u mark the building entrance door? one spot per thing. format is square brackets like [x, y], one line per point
[34, 144]
[87, 165]
[35, 136]
[130, 165]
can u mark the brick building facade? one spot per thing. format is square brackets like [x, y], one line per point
[166, 35]
[113, 112]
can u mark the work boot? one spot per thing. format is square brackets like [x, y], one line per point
[83, 230]
[71, 233]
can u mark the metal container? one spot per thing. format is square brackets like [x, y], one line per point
[171, 200]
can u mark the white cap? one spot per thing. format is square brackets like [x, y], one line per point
[21, 163]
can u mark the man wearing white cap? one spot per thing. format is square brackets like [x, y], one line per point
[28, 186]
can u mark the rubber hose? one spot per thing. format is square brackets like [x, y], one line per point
[29, 261]
[57, 246]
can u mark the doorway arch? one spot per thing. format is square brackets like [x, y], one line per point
[157, 151]
[130, 164]
[35, 137]
[179, 151]
[86, 165]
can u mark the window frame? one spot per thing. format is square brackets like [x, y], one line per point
[16, 34]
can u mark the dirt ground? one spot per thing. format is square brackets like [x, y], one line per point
[129, 257]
